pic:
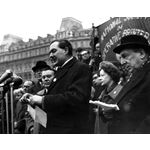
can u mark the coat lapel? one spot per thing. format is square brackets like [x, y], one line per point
[61, 72]
[137, 77]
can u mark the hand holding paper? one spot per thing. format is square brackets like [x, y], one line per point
[31, 99]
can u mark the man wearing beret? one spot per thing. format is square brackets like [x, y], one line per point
[134, 98]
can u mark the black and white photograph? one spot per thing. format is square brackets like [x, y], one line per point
[74, 70]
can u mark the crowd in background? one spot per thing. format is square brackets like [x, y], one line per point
[85, 94]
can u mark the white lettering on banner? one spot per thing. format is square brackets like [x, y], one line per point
[111, 26]
[120, 27]
[135, 31]
[131, 18]
[113, 40]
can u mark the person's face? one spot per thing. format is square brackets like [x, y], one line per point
[97, 47]
[96, 80]
[78, 54]
[118, 57]
[123, 64]
[132, 58]
[57, 55]
[85, 55]
[96, 54]
[27, 86]
[47, 77]
[37, 74]
[105, 79]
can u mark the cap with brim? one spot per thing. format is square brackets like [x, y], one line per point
[120, 48]
[132, 41]
[40, 65]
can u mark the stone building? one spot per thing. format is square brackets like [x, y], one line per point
[20, 56]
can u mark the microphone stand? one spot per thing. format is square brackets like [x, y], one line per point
[9, 106]
[7, 113]
[12, 107]
[2, 110]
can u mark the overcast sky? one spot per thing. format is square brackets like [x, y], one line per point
[32, 18]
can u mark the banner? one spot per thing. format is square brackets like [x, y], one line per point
[111, 32]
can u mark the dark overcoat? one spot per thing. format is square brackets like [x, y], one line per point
[67, 100]
[134, 104]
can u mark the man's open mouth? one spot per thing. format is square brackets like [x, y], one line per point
[53, 59]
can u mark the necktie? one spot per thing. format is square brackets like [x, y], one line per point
[45, 91]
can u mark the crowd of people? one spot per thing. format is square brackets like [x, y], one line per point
[84, 94]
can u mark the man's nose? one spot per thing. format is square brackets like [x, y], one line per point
[100, 78]
[123, 61]
[46, 78]
[51, 54]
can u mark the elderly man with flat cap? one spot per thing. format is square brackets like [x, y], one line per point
[134, 99]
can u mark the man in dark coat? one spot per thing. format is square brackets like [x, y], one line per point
[37, 69]
[67, 100]
[134, 98]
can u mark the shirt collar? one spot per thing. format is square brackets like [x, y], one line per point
[58, 67]
[67, 61]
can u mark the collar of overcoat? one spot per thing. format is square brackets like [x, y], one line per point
[136, 78]
[62, 71]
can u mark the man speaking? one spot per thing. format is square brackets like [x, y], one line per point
[67, 100]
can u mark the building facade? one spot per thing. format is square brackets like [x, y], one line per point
[21, 56]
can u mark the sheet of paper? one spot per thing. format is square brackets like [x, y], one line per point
[105, 105]
[31, 111]
[40, 116]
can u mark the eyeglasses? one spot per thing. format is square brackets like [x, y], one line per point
[26, 86]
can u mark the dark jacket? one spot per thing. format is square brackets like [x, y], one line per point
[134, 104]
[103, 117]
[67, 100]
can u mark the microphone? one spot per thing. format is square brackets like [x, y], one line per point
[7, 74]
[14, 79]
[17, 82]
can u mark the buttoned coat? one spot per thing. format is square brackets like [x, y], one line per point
[134, 104]
[67, 100]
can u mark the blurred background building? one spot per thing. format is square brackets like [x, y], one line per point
[20, 56]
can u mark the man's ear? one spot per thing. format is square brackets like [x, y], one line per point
[66, 50]
[143, 54]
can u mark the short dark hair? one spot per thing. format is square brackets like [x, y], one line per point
[111, 70]
[79, 49]
[64, 44]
